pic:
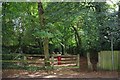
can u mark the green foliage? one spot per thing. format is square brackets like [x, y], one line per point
[43, 34]
[90, 32]
[12, 56]
[10, 65]
[21, 25]
[32, 68]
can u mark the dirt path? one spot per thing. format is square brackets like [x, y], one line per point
[63, 73]
[83, 64]
[60, 73]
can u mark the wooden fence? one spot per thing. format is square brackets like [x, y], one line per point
[38, 60]
[107, 61]
[66, 61]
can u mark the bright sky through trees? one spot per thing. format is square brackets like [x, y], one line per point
[112, 2]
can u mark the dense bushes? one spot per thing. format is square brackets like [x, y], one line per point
[12, 56]
[25, 49]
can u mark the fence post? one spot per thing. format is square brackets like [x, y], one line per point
[25, 58]
[52, 58]
[24, 62]
[89, 63]
[78, 60]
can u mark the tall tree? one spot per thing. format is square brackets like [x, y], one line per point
[78, 39]
[45, 39]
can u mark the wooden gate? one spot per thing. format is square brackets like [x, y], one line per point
[67, 61]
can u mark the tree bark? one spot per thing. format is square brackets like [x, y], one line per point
[78, 40]
[99, 21]
[45, 40]
[88, 61]
[38, 40]
[63, 47]
[20, 43]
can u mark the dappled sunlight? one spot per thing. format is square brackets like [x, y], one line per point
[74, 74]
[24, 73]
[60, 40]
[50, 76]
[60, 73]
[13, 76]
[37, 73]
[66, 65]
[34, 75]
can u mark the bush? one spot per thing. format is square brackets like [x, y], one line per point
[12, 56]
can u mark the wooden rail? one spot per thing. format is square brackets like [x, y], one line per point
[31, 59]
[66, 59]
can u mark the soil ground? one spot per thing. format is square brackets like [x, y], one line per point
[81, 72]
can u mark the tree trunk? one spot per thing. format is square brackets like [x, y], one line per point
[38, 40]
[76, 51]
[100, 22]
[63, 47]
[45, 40]
[78, 40]
[46, 51]
[88, 61]
[20, 43]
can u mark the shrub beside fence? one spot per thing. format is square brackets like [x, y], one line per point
[106, 62]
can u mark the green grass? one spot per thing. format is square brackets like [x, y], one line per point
[21, 66]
